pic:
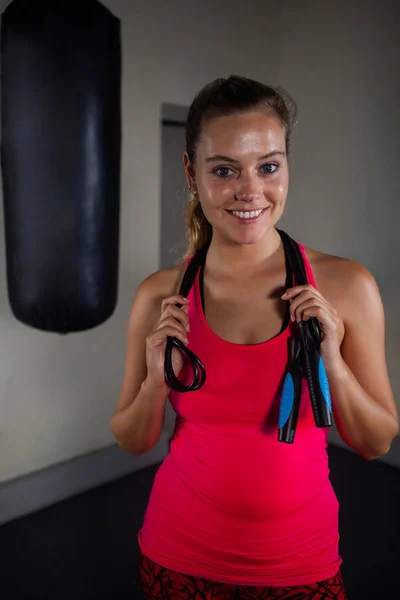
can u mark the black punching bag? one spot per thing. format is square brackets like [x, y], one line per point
[60, 159]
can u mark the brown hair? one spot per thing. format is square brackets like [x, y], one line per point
[219, 98]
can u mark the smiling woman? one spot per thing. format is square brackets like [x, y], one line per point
[233, 513]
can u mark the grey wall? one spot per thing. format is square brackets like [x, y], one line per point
[174, 192]
[340, 62]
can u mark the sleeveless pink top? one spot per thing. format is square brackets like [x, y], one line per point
[230, 503]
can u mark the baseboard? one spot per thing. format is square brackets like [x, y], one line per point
[38, 490]
[391, 458]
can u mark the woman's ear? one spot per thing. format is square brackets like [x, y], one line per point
[189, 172]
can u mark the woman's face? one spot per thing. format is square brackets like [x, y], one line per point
[241, 175]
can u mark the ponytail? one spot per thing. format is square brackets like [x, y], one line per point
[198, 229]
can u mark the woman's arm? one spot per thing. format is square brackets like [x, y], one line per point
[365, 412]
[139, 416]
[349, 308]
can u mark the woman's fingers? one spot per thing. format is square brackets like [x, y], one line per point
[176, 313]
[159, 335]
[178, 299]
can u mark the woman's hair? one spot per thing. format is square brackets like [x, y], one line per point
[224, 97]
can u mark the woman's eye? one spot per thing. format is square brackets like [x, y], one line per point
[267, 168]
[222, 171]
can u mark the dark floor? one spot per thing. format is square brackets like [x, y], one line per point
[86, 547]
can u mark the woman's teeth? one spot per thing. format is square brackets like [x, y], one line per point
[247, 215]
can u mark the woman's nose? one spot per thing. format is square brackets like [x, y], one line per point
[249, 189]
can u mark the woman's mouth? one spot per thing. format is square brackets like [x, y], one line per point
[246, 217]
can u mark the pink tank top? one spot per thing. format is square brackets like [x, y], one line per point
[230, 503]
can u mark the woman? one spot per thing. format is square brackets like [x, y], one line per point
[233, 513]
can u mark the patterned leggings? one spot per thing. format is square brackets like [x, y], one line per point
[159, 583]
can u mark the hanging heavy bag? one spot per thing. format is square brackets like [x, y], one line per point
[60, 159]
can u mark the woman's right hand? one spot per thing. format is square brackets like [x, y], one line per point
[174, 322]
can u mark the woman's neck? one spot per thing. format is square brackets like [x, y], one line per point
[243, 259]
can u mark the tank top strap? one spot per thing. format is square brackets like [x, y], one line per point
[307, 265]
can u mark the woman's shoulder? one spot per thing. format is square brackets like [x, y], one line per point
[146, 305]
[341, 280]
[330, 266]
[162, 283]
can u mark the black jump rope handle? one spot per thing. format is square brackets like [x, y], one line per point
[315, 374]
[308, 362]
[291, 393]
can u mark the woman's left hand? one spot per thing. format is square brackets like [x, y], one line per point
[307, 302]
